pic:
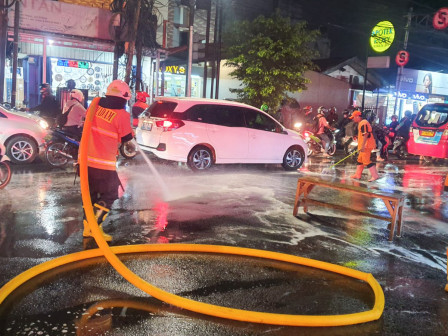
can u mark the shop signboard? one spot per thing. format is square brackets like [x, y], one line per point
[421, 81]
[382, 36]
[63, 18]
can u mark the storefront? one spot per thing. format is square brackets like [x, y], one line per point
[174, 81]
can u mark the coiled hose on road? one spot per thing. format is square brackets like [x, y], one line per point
[199, 307]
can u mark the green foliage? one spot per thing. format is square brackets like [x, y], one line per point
[270, 57]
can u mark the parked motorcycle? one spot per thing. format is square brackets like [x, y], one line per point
[63, 147]
[315, 145]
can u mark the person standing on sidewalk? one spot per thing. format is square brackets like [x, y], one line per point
[366, 143]
[111, 126]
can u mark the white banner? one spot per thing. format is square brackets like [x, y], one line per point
[63, 18]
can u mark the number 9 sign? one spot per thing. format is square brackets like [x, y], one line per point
[402, 58]
[440, 19]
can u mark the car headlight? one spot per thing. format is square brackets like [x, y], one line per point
[43, 124]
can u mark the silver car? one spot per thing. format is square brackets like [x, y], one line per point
[22, 135]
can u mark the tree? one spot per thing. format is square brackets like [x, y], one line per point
[140, 22]
[270, 57]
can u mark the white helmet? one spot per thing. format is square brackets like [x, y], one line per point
[77, 94]
[118, 88]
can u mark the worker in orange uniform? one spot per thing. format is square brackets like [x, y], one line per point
[139, 106]
[111, 126]
[366, 143]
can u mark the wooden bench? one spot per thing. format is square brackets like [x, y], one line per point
[394, 202]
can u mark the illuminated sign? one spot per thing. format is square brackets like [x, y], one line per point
[174, 69]
[73, 64]
[402, 58]
[382, 36]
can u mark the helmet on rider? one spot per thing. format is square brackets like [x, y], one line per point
[408, 114]
[142, 95]
[264, 108]
[321, 110]
[370, 116]
[45, 89]
[77, 94]
[333, 110]
[120, 89]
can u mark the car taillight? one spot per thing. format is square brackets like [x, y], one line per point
[445, 132]
[306, 134]
[169, 124]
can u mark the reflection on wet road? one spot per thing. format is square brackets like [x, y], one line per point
[247, 206]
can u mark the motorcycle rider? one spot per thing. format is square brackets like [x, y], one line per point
[308, 117]
[366, 143]
[402, 130]
[48, 108]
[74, 113]
[110, 126]
[139, 106]
[332, 117]
[321, 128]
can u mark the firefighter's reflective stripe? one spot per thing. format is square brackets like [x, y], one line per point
[101, 161]
[105, 132]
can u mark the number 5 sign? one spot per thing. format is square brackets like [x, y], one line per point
[440, 20]
[402, 58]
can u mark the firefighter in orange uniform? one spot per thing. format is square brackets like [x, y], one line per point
[110, 126]
[139, 106]
[366, 143]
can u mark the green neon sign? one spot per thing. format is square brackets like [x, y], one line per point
[382, 36]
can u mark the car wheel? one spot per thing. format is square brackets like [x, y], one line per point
[21, 149]
[293, 158]
[200, 158]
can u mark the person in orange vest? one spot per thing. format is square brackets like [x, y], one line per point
[139, 106]
[366, 143]
[111, 126]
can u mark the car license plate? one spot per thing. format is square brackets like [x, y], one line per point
[147, 126]
[427, 133]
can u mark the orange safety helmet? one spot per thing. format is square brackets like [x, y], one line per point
[141, 96]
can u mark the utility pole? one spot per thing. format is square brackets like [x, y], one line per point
[131, 45]
[15, 53]
[400, 69]
[3, 41]
[190, 48]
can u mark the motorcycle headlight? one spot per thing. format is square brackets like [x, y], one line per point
[297, 125]
[43, 124]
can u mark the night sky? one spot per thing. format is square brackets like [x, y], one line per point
[348, 24]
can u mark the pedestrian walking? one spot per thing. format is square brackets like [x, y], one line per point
[111, 126]
[366, 143]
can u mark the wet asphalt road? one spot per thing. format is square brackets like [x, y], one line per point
[245, 206]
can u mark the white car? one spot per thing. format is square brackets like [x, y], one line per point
[21, 134]
[203, 132]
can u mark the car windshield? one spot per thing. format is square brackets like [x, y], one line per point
[432, 116]
[161, 109]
